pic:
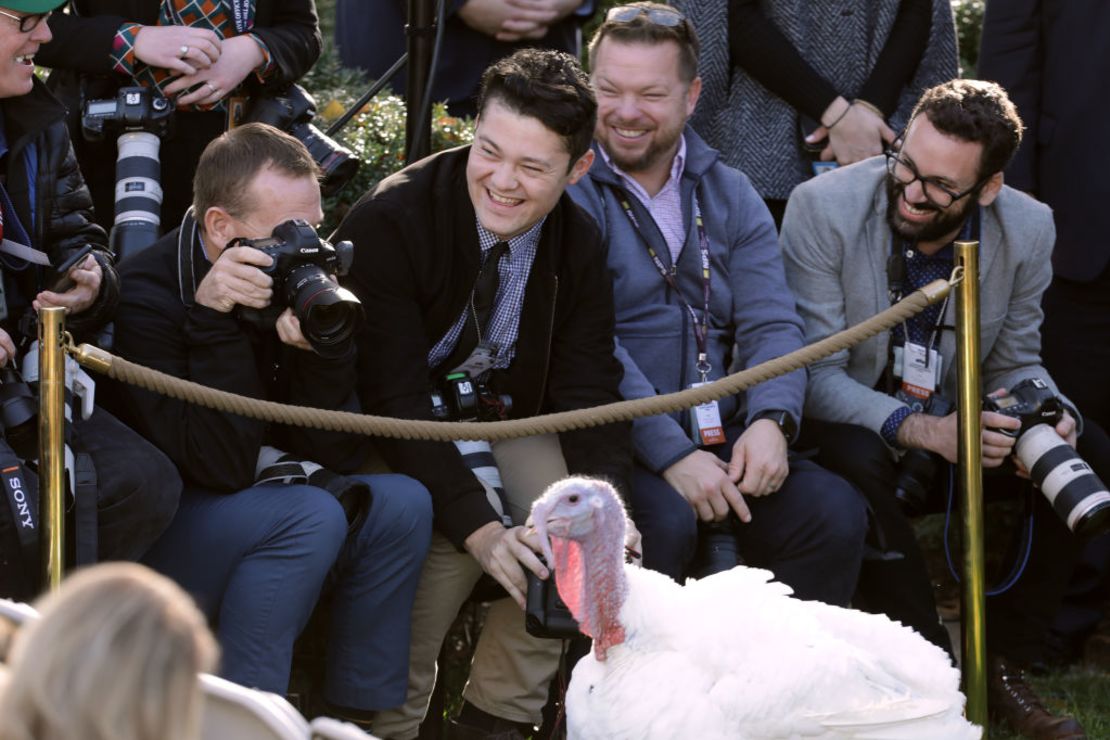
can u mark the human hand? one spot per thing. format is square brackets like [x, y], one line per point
[86, 278]
[859, 134]
[161, 46]
[7, 348]
[239, 56]
[509, 20]
[236, 280]
[940, 434]
[758, 465]
[703, 480]
[289, 331]
[501, 551]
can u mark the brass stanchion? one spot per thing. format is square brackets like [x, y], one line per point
[971, 482]
[52, 462]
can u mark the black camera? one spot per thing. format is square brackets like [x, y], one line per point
[301, 269]
[718, 547]
[545, 614]
[292, 111]
[459, 397]
[917, 469]
[1078, 495]
[139, 117]
[19, 413]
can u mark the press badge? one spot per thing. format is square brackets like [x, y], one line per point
[920, 370]
[705, 422]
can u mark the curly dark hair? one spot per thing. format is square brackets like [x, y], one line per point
[549, 86]
[975, 111]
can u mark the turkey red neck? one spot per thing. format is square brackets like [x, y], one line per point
[591, 581]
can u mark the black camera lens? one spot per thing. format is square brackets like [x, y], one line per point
[327, 312]
[718, 547]
[19, 413]
[337, 163]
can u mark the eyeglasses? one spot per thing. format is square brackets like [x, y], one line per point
[938, 195]
[666, 17]
[27, 23]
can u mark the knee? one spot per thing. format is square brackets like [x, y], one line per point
[840, 510]
[401, 508]
[315, 514]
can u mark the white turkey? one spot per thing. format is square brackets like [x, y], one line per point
[730, 656]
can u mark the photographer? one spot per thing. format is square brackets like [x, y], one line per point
[229, 51]
[252, 544]
[866, 235]
[45, 209]
[482, 243]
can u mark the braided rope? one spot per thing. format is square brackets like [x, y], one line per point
[381, 426]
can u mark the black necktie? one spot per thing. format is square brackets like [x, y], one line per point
[481, 305]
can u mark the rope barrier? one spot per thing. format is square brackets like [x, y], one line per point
[124, 371]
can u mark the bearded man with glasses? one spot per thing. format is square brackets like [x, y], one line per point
[861, 237]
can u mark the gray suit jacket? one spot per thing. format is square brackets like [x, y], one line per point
[835, 242]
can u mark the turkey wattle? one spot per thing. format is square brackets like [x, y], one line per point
[730, 656]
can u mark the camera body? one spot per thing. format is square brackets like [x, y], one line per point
[459, 397]
[545, 614]
[292, 111]
[718, 547]
[133, 109]
[1031, 402]
[302, 265]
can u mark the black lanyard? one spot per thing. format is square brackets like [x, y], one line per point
[701, 329]
[896, 277]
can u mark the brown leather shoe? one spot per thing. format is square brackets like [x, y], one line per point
[1015, 702]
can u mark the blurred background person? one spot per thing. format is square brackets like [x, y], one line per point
[114, 656]
[371, 37]
[776, 72]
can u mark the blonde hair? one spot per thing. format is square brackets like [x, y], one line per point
[115, 656]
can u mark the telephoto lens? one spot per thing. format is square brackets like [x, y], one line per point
[1078, 495]
[138, 194]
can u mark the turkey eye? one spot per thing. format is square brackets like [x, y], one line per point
[573, 499]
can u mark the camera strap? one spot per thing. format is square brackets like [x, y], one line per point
[21, 494]
[700, 327]
[187, 241]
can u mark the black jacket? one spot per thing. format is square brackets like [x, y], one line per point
[83, 43]
[62, 221]
[212, 449]
[416, 260]
[1053, 57]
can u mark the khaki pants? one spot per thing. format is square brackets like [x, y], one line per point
[511, 669]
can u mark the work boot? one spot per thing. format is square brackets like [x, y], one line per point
[1015, 702]
[475, 724]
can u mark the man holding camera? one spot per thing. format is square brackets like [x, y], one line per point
[697, 271]
[54, 256]
[261, 526]
[861, 237]
[478, 273]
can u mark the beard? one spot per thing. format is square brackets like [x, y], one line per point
[945, 221]
[664, 145]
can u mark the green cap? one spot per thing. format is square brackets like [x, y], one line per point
[31, 6]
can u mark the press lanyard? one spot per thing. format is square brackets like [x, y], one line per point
[896, 276]
[701, 329]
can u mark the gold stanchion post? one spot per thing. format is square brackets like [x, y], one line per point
[971, 482]
[51, 444]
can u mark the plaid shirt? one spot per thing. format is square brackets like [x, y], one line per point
[504, 323]
[211, 14]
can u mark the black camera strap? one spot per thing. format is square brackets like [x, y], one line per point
[21, 493]
[188, 239]
[701, 328]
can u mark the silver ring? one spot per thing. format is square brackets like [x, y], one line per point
[184, 52]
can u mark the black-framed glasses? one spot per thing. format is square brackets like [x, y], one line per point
[27, 23]
[904, 173]
[666, 17]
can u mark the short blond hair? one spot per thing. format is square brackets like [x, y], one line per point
[114, 656]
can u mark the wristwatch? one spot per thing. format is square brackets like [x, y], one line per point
[785, 422]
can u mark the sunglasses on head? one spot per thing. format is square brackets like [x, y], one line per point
[667, 17]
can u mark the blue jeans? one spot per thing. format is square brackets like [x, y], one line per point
[809, 533]
[257, 560]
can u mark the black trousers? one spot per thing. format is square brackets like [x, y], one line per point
[894, 579]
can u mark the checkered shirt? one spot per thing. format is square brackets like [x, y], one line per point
[504, 323]
[666, 206]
